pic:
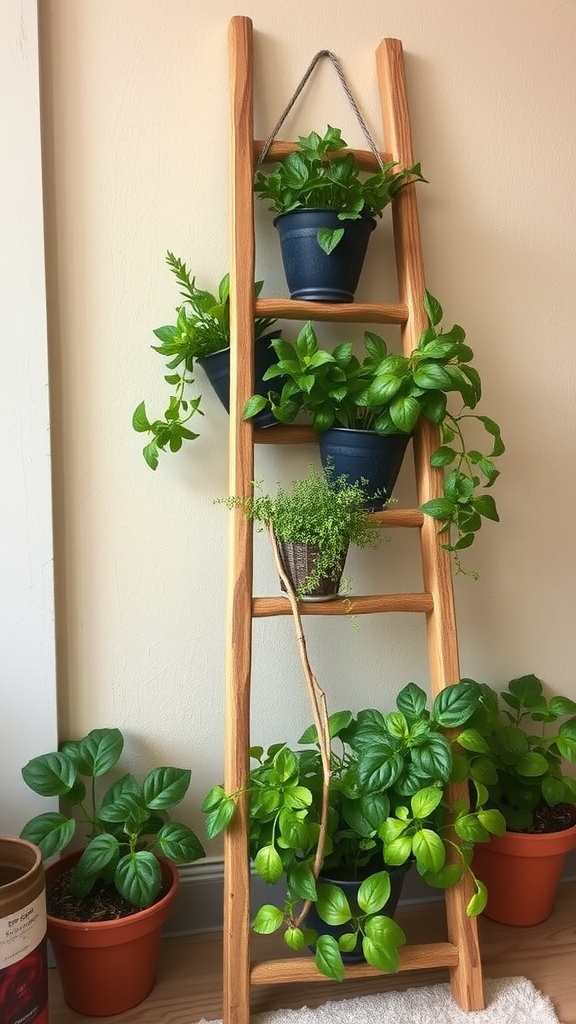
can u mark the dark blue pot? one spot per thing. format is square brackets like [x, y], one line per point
[310, 273]
[350, 888]
[367, 457]
[216, 366]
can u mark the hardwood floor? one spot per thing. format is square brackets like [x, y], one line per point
[189, 983]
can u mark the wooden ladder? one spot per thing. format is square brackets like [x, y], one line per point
[461, 953]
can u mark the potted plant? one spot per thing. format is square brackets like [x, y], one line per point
[385, 780]
[365, 413]
[107, 903]
[313, 521]
[201, 334]
[326, 212]
[522, 739]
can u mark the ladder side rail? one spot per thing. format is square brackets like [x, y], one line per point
[236, 938]
[466, 976]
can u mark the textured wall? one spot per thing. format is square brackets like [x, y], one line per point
[135, 102]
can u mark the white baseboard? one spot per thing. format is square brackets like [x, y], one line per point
[198, 906]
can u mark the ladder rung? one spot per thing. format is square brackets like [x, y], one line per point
[412, 958]
[279, 150]
[341, 312]
[363, 604]
[408, 517]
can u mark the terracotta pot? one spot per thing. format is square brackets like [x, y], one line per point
[522, 872]
[107, 967]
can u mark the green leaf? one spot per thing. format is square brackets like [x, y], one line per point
[531, 765]
[301, 881]
[297, 797]
[268, 919]
[443, 456]
[454, 705]
[428, 849]
[411, 701]
[374, 892]
[438, 508]
[433, 309]
[165, 787]
[478, 901]
[286, 765]
[380, 957]
[219, 817]
[179, 843]
[50, 774]
[101, 853]
[331, 904]
[99, 751]
[471, 739]
[486, 506]
[426, 801]
[397, 851]
[140, 419]
[254, 405]
[328, 238]
[138, 878]
[493, 821]
[51, 832]
[150, 453]
[328, 959]
[562, 706]
[268, 865]
[347, 942]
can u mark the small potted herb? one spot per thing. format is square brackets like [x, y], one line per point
[522, 741]
[314, 521]
[201, 334]
[365, 413]
[326, 212]
[386, 809]
[107, 903]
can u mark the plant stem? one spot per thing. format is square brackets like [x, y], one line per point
[317, 699]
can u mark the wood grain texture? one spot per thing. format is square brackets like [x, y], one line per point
[336, 312]
[363, 604]
[412, 958]
[189, 982]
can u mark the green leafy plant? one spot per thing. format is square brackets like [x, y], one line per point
[389, 393]
[389, 774]
[318, 176]
[127, 826]
[517, 764]
[202, 327]
[325, 513]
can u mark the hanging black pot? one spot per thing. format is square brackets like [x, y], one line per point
[350, 888]
[363, 456]
[216, 366]
[299, 561]
[310, 273]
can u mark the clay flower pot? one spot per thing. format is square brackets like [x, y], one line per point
[522, 872]
[107, 967]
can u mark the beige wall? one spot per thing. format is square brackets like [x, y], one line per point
[135, 100]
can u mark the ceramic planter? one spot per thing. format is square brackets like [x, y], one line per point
[23, 963]
[310, 273]
[367, 457]
[107, 967]
[299, 560]
[216, 366]
[350, 888]
[522, 872]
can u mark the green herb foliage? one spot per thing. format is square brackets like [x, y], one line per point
[318, 176]
[127, 826]
[316, 510]
[387, 807]
[519, 740]
[389, 393]
[202, 327]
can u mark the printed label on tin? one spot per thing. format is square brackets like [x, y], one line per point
[23, 966]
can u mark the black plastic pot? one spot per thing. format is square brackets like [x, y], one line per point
[350, 889]
[216, 366]
[363, 456]
[310, 273]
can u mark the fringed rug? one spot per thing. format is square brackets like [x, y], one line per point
[508, 1001]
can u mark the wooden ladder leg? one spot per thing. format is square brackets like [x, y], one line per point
[236, 981]
[466, 976]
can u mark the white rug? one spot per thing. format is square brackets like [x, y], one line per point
[508, 1001]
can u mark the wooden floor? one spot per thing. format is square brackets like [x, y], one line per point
[189, 984]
